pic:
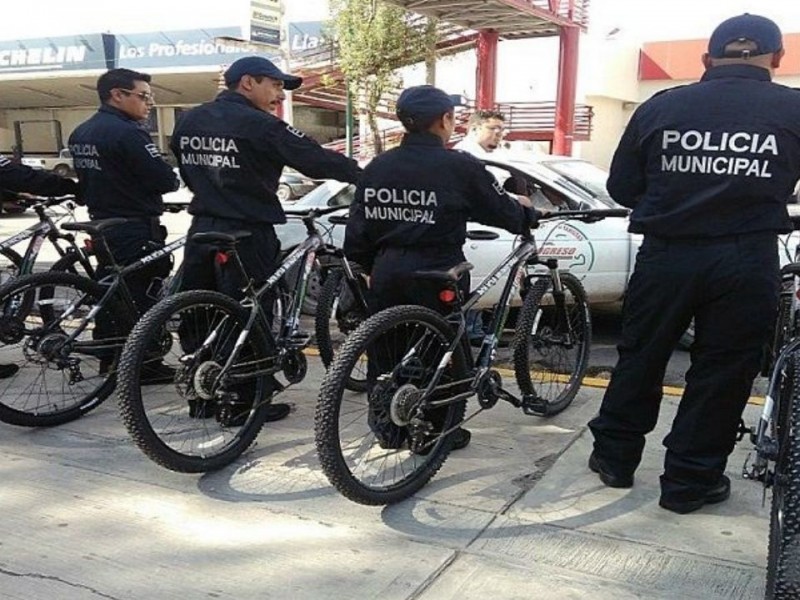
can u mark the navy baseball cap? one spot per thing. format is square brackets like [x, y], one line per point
[763, 32]
[420, 103]
[257, 65]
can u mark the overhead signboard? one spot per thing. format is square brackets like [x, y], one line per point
[68, 53]
[195, 47]
[305, 36]
[265, 21]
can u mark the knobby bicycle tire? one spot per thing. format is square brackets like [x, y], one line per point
[26, 398]
[783, 555]
[170, 423]
[326, 316]
[558, 358]
[368, 470]
[71, 263]
[9, 272]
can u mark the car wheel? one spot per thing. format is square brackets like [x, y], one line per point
[62, 170]
[284, 192]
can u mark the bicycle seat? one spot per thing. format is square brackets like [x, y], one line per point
[450, 276]
[220, 237]
[94, 227]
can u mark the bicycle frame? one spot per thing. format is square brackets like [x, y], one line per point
[46, 228]
[515, 265]
[288, 338]
[114, 283]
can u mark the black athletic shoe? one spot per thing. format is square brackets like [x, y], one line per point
[8, 371]
[461, 438]
[719, 493]
[606, 476]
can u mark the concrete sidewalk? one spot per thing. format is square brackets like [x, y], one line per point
[515, 515]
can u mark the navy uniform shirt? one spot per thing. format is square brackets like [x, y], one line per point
[231, 155]
[420, 195]
[120, 170]
[21, 178]
[717, 157]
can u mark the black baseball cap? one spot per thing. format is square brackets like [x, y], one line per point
[258, 65]
[421, 103]
[761, 31]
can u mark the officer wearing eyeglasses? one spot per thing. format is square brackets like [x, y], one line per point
[122, 174]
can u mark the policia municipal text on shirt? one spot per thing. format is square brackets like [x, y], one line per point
[231, 153]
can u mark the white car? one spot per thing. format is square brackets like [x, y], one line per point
[600, 254]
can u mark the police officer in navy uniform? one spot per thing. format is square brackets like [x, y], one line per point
[707, 169]
[231, 153]
[413, 202]
[122, 174]
[15, 177]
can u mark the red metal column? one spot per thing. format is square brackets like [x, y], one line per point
[565, 96]
[486, 70]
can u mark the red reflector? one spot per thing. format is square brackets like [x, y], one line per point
[221, 258]
[88, 244]
[447, 296]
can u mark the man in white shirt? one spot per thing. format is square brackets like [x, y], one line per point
[484, 134]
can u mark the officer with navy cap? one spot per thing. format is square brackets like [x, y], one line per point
[413, 202]
[231, 152]
[707, 169]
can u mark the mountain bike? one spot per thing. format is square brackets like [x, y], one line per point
[225, 354]
[382, 448]
[71, 256]
[776, 440]
[341, 307]
[62, 333]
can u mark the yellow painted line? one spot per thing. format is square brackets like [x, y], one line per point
[592, 382]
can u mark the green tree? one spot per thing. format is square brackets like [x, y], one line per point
[374, 40]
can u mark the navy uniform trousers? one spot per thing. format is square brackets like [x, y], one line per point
[730, 286]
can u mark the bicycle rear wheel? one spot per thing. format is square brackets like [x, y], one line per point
[57, 381]
[184, 424]
[10, 265]
[338, 316]
[783, 555]
[382, 447]
[551, 347]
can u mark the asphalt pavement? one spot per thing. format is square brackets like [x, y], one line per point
[517, 514]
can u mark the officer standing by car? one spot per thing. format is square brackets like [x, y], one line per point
[412, 205]
[707, 169]
[122, 174]
[231, 153]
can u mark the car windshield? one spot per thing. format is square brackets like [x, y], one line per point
[585, 176]
[328, 193]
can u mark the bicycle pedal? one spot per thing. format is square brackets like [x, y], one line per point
[298, 340]
[535, 406]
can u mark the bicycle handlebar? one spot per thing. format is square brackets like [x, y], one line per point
[588, 215]
[313, 212]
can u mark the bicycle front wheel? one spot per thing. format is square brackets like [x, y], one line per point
[49, 379]
[551, 347]
[382, 447]
[338, 315]
[783, 576]
[184, 423]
